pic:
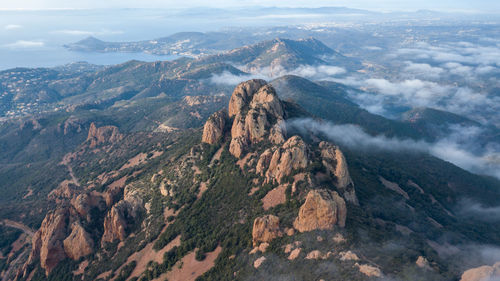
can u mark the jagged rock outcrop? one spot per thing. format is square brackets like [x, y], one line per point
[292, 155]
[242, 95]
[334, 161]
[278, 132]
[60, 236]
[115, 225]
[265, 229]
[79, 243]
[257, 111]
[214, 127]
[264, 161]
[116, 222]
[323, 209]
[102, 135]
[47, 241]
[482, 273]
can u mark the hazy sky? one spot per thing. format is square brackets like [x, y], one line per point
[443, 5]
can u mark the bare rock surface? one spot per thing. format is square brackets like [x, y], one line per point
[79, 243]
[47, 241]
[482, 273]
[214, 127]
[322, 210]
[334, 161]
[103, 135]
[292, 155]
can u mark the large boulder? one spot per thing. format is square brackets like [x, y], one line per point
[323, 209]
[482, 273]
[265, 229]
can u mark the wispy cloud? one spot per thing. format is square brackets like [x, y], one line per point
[267, 73]
[379, 92]
[475, 210]
[12, 26]
[372, 48]
[25, 44]
[459, 147]
[227, 78]
[77, 32]
[462, 52]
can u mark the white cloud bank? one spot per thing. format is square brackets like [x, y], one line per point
[458, 148]
[306, 71]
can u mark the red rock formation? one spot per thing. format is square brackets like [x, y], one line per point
[102, 135]
[323, 209]
[265, 229]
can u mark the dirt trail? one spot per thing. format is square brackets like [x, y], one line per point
[66, 160]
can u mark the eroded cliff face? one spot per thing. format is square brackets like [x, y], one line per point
[292, 155]
[334, 161]
[60, 236]
[47, 241]
[118, 219]
[214, 127]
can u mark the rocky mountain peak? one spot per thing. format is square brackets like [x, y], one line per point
[256, 109]
[243, 94]
[257, 114]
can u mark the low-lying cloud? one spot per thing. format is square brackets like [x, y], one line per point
[455, 148]
[478, 211]
[423, 69]
[25, 44]
[267, 73]
[228, 78]
[464, 52]
[379, 92]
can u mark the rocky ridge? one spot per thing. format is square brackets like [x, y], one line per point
[258, 137]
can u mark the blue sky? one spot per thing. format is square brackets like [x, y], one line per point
[383, 5]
